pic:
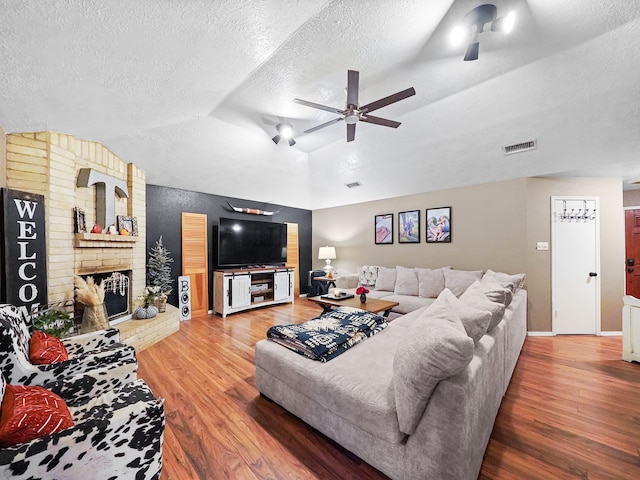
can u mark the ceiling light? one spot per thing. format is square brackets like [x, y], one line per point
[285, 130]
[473, 25]
[458, 34]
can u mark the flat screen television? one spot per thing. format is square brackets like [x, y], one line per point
[243, 243]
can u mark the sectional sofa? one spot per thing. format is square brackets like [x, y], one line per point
[419, 399]
[412, 288]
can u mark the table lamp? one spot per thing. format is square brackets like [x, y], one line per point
[327, 254]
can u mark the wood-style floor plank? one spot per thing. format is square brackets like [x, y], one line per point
[572, 410]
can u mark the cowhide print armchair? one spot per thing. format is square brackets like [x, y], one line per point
[117, 435]
[97, 361]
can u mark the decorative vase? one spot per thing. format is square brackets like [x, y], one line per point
[148, 311]
[161, 304]
[94, 318]
[363, 298]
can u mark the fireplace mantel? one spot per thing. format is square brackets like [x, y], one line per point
[102, 240]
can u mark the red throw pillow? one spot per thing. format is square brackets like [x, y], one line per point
[30, 412]
[45, 348]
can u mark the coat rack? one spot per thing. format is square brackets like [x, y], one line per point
[580, 214]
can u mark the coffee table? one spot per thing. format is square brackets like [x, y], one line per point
[372, 305]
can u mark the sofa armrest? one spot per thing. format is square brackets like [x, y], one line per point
[347, 281]
[87, 342]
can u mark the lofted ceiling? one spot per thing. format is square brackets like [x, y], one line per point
[191, 91]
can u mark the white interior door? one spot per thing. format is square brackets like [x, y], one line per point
[575, 252]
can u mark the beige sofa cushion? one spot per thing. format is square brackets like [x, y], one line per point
[475, 297]
[459, 280]
[512, 282]
[435, 347]
[430, 282]
[386, 280]
[406, 281]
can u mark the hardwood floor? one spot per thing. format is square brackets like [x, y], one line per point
[572, 410]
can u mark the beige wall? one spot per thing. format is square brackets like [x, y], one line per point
[494, 226]
[611, 274]
[631, 198]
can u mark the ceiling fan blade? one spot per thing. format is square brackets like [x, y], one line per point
[380, 121]
[317, 105]
[383, 102]
[353, 81]
[351, 132]
[326, 124]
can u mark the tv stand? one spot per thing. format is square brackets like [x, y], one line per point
[236, 290]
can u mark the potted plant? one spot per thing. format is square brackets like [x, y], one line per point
[159, 274]
[147, 298]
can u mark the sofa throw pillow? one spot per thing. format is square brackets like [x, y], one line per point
[474, 320]
[368, 276]
[475, 297]
[496, 291]
[513, 282]
[406, 281]
[430, 282]
[386, 280]
[45, 349]
[30, 412]
[434, 348]
[459, 280]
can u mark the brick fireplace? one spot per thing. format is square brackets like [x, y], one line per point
[48, 163]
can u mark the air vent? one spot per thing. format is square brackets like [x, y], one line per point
[520, 147]
[353, 184]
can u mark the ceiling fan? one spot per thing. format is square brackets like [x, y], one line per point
[353, 113]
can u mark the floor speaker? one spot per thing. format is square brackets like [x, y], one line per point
[184, 297]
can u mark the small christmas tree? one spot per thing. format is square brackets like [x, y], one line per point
[158, 269]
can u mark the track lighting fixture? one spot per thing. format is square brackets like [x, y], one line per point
[473, 24]
[285, 131]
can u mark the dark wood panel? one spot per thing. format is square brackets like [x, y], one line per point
[572, 410]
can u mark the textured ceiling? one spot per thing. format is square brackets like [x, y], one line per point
[191, 91]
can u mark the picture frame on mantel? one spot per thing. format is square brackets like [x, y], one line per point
[384, 229]
[439, 225]
[80, 221]
[409, 227]
[130, 223]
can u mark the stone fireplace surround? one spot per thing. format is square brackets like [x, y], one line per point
[47, 163]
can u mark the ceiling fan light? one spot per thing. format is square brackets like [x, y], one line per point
[276, 139]
[292, 142]
[351, 118]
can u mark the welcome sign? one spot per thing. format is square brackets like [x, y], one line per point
[24, 263]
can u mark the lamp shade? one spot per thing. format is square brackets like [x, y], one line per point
[327, 253]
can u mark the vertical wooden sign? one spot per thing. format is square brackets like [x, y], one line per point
[24, 262]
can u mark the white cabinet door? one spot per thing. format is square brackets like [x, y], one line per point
[282, 286]
[240, 291]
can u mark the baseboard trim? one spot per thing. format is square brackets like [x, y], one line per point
[611, 334]
[540, 334]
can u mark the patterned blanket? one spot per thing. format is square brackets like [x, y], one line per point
[328, 335]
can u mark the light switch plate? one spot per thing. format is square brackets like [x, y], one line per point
[542, 246]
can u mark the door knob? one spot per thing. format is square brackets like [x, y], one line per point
[630, 270]
[593, 274]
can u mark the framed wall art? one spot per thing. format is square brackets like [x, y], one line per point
[80, 222]
[409, 227]
[130, 223]
[384, 229]
[439, 225]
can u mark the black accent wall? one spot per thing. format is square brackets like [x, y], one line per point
[164, 217]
